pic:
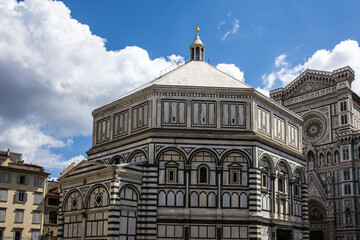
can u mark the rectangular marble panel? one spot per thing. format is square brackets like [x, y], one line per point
[166, 112]
[174, 110]
[182, 112]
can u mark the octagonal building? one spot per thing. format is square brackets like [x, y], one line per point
[193, 154]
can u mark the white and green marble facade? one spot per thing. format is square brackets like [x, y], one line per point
[191, 155]
[331, 143]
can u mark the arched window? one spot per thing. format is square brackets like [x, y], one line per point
[171, 164]
[115, 161]
[345, 153]
[336, 156]
[73, 201]
[203, 174]
[265, 173]
[316, 215]
[283, 176]
[321, 160]
[128, 215]
[237, 166]
[98, 198]
[328, 158]
[53, 217]
[311, 159]
[297, 183]
[348, 216]
[137, 157]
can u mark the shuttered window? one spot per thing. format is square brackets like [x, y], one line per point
[263, 120]
[5, 177]
[20, 196]
[279, 128]
[174, 112]
[19, 215]
[203, 114]
[38, 182]
[36, 217]
[2, 214]
[232, 114]
[103, 130]
[121, 123]
[293, 133]
[35, 234]
[140, 116]
[23, 179]
[3, 194]
[37, 198]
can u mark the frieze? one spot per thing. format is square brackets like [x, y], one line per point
[309, 96]
[116, 108]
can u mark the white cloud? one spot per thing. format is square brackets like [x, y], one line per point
[176, 59]
[225, 35]
[236, 26]
[233, 30]
[230, 26]
[346, 53]
[268, 81]
[54, 72]
[220, 24]
[232, 70]
[263, 91]
[281, 60]
[75, 160]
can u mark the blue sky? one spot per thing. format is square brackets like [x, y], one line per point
[60, 60]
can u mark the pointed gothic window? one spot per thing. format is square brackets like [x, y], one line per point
[329, 158]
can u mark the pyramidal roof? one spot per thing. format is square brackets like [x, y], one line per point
[199, 74]
[194, 74]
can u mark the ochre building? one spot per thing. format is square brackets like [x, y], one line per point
[22, 194]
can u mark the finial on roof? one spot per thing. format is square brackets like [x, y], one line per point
[197, 48]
